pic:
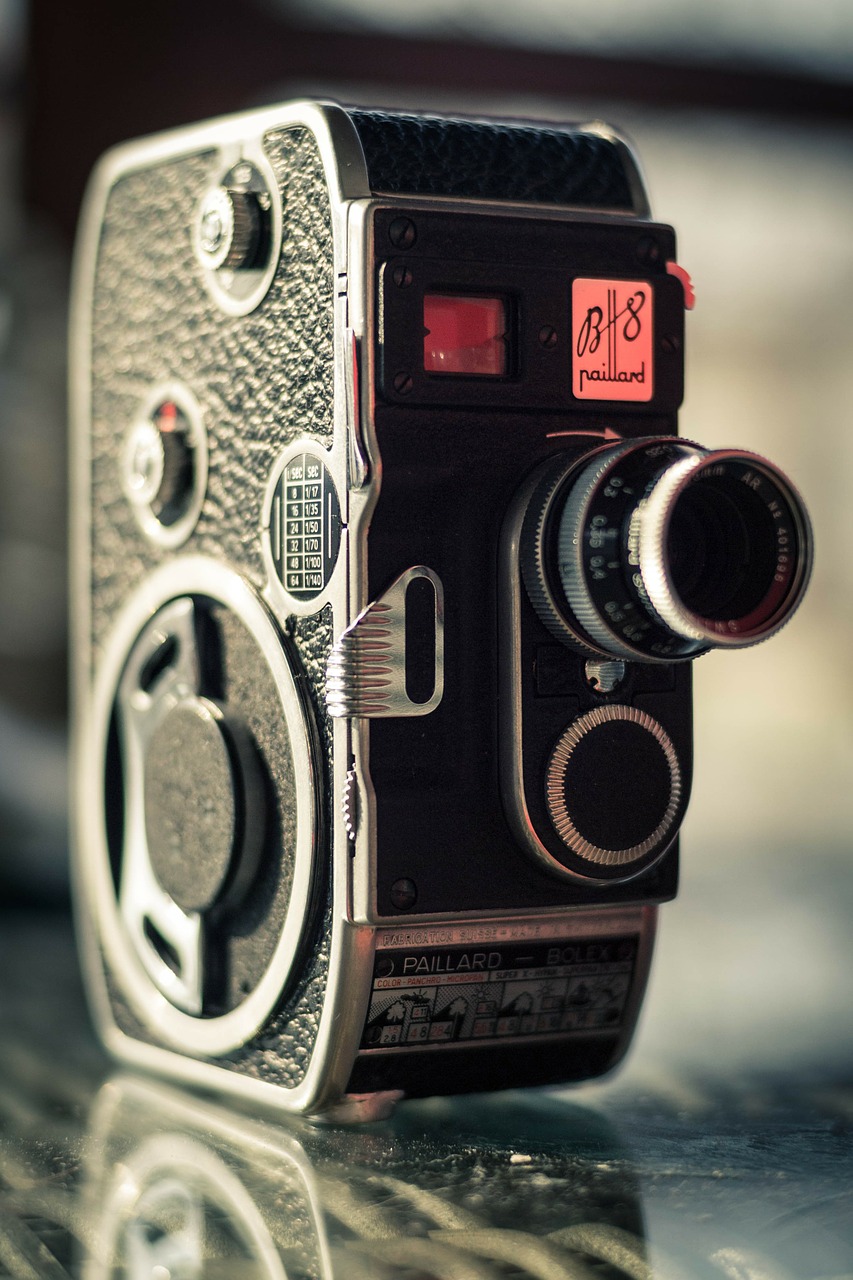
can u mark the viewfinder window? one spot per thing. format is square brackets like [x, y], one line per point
[465, 335]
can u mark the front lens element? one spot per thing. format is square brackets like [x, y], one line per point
[725, 549]
[657, 550]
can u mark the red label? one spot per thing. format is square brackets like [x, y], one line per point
[612, 336]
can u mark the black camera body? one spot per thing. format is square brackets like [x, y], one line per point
[389, 567]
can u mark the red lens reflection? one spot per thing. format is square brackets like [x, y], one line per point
[465, 335]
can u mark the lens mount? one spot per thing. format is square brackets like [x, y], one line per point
[656, 550]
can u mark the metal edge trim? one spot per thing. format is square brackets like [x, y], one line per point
[345, 171]
[340, 148]
[633, 170]
[510, 719]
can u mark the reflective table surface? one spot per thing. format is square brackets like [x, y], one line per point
[686, 1166]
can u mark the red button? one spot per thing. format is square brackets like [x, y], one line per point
[686, 283]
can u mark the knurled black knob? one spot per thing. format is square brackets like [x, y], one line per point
[228, 229]
[159, 463]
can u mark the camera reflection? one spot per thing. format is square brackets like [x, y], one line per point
[178, 1189]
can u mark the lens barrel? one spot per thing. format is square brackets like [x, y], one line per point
[658, 550]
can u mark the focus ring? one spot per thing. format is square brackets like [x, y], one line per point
[534, 553]
[570, 555]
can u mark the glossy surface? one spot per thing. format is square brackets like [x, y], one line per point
[690, 1165]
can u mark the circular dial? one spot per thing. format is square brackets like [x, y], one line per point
[231, 224]
[203, 804]
[160, 462]
[303, 526]
[237, 235]
[614, 788]
[203, 761]
[164, 465]
[658, 550]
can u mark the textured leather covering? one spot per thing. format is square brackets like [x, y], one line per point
[427, 155]
[261, 381]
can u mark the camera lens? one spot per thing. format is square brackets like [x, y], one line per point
[720, 555]
[658, 550]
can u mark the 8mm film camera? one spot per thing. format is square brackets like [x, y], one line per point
[389, 568]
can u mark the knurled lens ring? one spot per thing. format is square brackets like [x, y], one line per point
[596, 555]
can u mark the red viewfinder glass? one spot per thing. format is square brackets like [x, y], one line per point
[465, 335]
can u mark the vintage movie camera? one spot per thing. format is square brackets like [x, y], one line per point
[388, 571]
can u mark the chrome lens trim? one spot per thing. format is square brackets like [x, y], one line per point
[654, 518]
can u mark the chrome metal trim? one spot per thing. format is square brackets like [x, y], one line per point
[361, 320]
[653, 520]
[555, 794]
[366, 672]
[359, 468]
[593, 921]
[183, 577]
[335, 134]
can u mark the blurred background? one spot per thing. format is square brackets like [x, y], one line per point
[743, 117]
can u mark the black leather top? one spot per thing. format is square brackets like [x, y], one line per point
[430, 155]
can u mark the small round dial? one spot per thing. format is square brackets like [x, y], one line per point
[302, 527]
[164, 465]
[230, 226]
[237, 235]
[614, 788]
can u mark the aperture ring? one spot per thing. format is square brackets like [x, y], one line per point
[597, 565]
[543, 587]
